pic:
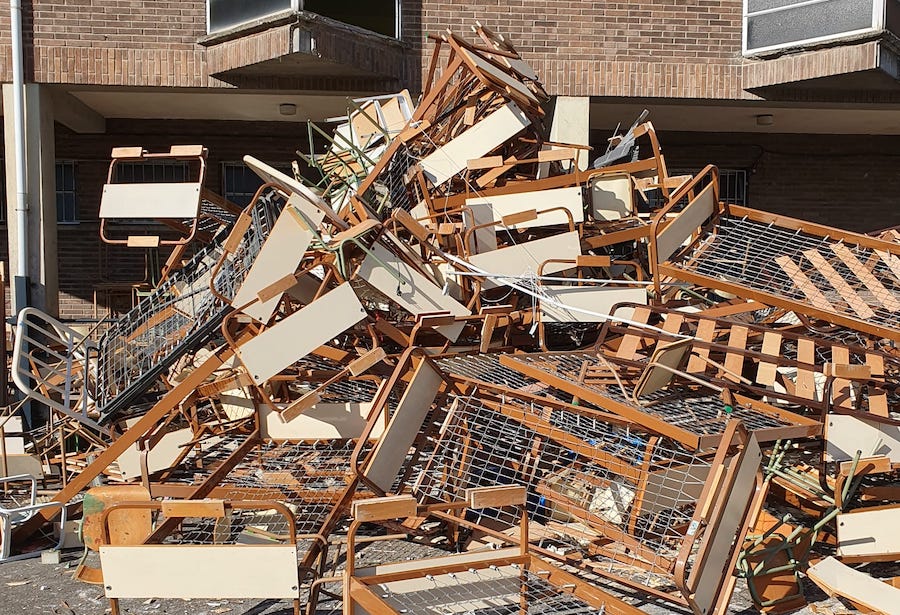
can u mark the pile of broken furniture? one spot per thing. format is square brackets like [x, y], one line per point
[562, 378]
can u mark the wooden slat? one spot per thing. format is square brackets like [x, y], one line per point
[804, 284]
[882, 294]
[385, 508]
[493, 497]
[766, 372]
[365, 362]
[806, 379]
[890, 260]
[630, 342]
[878, 404]
[840, 387]
[734, 361]
[838, 579]
[706, 329]
[673, 322]
[834, 278]
[194, 508]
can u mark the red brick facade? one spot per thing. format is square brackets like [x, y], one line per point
[660, 48]
[668, 49]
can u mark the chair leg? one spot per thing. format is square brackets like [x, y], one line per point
[5, 537]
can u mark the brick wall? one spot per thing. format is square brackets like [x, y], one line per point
[145, 43]
[689, 48]
[655, 48]
[118, 24]
[847, 181]
[84, 261]
[670, 48]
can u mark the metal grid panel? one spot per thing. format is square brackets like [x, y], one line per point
[506, 590]
[179, 314]
[487, 369]
[307, 476]
[690, 410]
[389, 190]
[746, 252]
[623, 497]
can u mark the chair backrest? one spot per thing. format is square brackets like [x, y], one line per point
[612, 196]
[660, 371]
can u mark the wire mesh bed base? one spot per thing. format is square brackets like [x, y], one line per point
[505, 590]
[310, 477]
[848, 279]
[621, 502]
[697, 419]
[92, 379]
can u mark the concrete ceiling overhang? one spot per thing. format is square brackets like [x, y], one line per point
[700, 116]
[211, 105]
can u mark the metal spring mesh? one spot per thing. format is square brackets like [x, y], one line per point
[701, 414]
[179, 314]
[307, 476]
[622, 495]
[389, 191]
[487, 369]
[744, 251]
[505, 590]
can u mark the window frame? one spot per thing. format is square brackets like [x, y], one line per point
[63, 191]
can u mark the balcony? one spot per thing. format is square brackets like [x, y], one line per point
[772, 26]
[822, 49]
[323, 45]
[379, 16]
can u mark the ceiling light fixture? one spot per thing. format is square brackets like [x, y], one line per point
[767, 119]
[287, 109]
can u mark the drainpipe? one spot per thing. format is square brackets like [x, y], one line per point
[21, 292]
[18, 85]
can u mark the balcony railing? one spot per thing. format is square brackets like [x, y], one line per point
[773, 25]
[380, 16]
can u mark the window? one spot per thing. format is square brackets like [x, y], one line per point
[225, 14]
[772, 25]
[151, 172]
[66, 211]
[381, 16]
[732, 187]
[240, 183]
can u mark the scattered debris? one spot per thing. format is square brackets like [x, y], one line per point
[463, 335]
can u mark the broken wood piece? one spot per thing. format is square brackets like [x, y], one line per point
[143, 241]
[193, 508]
[838, 579]
[367, 361]
[492, 131]
[384, 508]
[279, 257]
[308, 328]
[299, 406]
[496, 496]
[488, 162]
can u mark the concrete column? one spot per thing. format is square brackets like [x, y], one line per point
[571, 124]
[40, 155]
